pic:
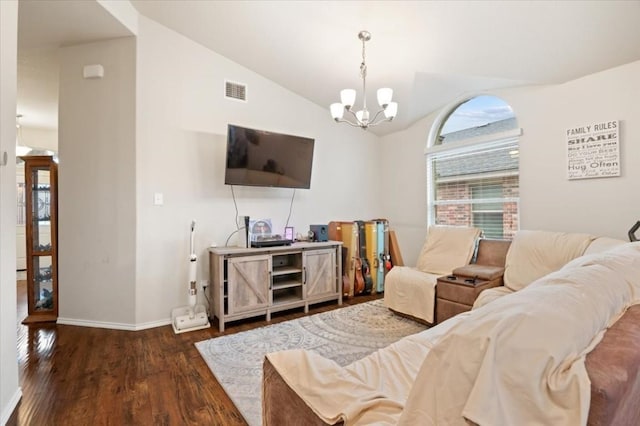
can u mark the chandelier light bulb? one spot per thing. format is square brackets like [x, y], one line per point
[384, 96]
[337, 111]
[348, 98]
[391, 110]
[363, 117]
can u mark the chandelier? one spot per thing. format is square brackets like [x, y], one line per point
[360, 118]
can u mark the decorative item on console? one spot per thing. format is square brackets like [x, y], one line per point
[261, 234]
[259, 227]
[320, 232]
[289, 233]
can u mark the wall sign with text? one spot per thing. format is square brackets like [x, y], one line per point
[593, 150]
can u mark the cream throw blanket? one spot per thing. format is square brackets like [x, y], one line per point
[517, 360]
[412, 292]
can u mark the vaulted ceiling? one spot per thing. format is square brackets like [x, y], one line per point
[429, 52]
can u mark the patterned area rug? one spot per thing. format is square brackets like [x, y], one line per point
[343, 335]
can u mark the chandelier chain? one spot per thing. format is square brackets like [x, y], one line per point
[363, 73]
[18, 129]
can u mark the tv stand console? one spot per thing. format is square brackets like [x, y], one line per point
[249, 282]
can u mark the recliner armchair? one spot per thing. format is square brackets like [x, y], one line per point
[411, 291]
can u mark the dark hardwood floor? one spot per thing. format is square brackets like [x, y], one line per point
[90, 376]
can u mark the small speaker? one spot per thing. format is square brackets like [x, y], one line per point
[320, 232]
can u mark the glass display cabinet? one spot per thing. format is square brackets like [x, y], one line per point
[41, 174]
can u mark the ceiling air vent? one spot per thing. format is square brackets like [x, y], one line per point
[236, 91]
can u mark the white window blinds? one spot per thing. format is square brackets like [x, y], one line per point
[475, 184]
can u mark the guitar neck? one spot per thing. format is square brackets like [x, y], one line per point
[362, 251]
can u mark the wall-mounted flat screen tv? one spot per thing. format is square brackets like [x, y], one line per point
[261, 158]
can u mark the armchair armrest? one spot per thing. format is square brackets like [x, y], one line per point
[483, 272]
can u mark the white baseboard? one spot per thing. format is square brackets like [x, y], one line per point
[13, 403]
[113, 325]
[153, 324]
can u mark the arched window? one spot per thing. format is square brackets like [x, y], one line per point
[472, 167]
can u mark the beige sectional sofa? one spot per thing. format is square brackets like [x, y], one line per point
[559, 344]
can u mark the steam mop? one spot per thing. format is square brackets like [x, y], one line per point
[194, 316]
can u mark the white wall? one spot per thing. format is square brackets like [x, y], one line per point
[548, 201]
[180, 148]
[182, 120]
[404, 186]
[97, 227]
[605, 206]
[9, 390]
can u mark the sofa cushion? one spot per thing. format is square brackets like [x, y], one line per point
[601, 244]
[534, 254]
[446, 248]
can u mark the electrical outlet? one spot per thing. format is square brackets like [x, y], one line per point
[203, 284]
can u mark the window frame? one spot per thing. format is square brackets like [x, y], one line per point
[434, 148]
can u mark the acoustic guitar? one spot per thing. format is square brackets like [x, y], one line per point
[362, 250]
[358, 282]
[346, 283]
